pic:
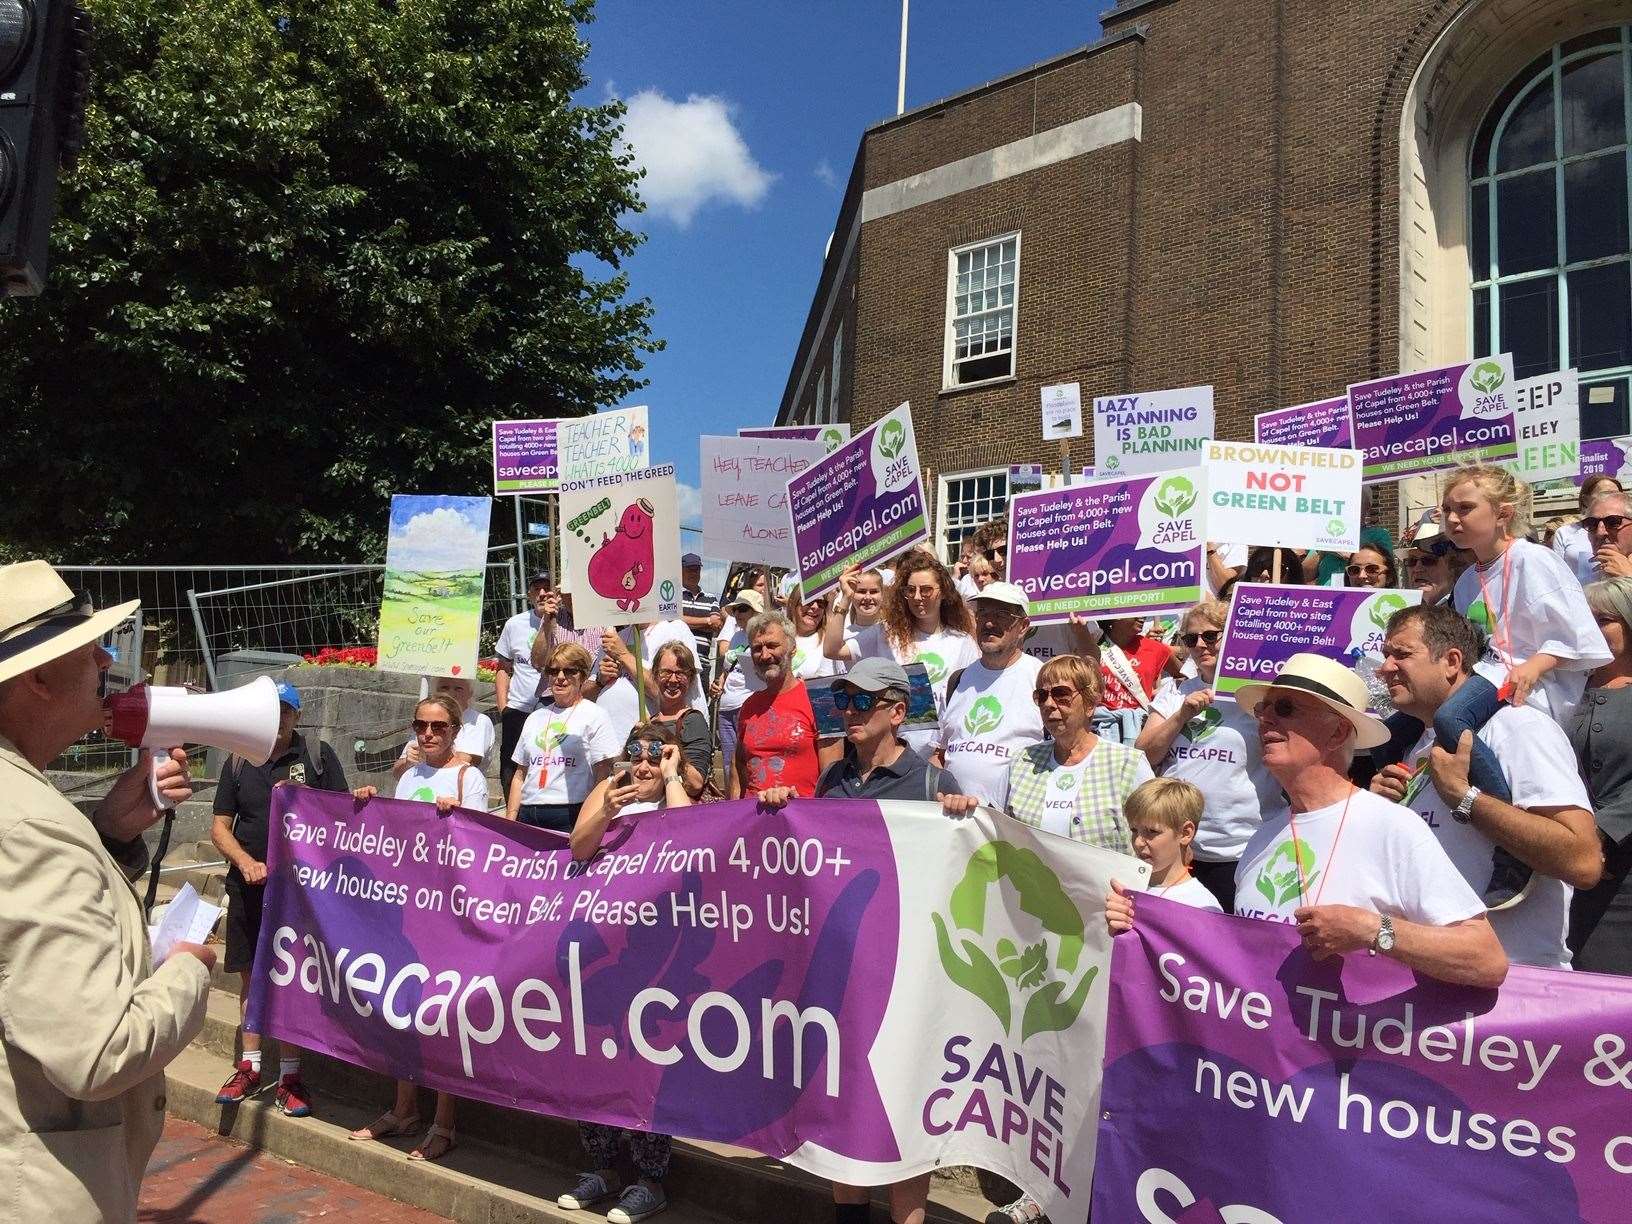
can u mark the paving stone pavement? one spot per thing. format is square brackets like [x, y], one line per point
[197, 1177]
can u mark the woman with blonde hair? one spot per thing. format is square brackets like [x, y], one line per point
[566, 746]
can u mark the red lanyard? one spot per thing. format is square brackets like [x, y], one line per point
[1331, 854]
[1499, 636]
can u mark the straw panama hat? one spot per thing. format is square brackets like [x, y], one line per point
[1328, 682]
[42, 619]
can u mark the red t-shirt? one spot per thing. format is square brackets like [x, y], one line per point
[1148, 657]
[778, 738]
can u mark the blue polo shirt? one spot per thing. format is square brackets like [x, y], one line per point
[904, 778]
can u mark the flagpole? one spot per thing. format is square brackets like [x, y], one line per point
[901, 79]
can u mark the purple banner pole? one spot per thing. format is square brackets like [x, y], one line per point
[1246, 1083]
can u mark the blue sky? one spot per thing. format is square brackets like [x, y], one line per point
[751, 111]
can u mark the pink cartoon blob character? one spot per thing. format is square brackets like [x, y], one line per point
[621, 568]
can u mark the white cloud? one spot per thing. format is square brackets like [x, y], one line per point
[692, 154]
[442, 539]
[825, 173]
[689, 501]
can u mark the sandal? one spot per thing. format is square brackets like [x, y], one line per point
[423, 1151]
[386, 1126]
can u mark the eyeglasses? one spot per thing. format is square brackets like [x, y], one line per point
[563, 671]
[424, 725]
[671, 673]
[1611, 523]
[845, 699]
[1002, 617]
[653, 750]
[1366, 571]
[1062, 695]
[1208, 637]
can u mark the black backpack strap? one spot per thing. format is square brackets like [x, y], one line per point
[952, 684]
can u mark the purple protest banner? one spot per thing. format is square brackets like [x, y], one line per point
[866, 990]
[1245, 1082]
[830, 436]
[1129, 546]
[524, 458]
[1411, 424]
[861, 504]
[1321, 423]
[1269, 624]
[1606, 457]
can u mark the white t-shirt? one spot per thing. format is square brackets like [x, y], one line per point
[1574, 546]
[1384, 862]
[1218, 752]
[968, 587]
[808, 659]
[1189, 891]
[988, 719]
[1233, 556]
[742, 681]
[516, 644]
[475, 736]
[426, 785]
[1539, 766]
[559, 749]
[619, 700]
[1546, 612]
[943, 653]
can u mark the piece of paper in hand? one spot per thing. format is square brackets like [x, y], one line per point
[187, 919]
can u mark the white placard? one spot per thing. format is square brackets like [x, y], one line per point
[1547, 421]
[1151, 432]
[1062, 412]
[620, 547]
[1283, 496]
[603, 445]
[745, 496]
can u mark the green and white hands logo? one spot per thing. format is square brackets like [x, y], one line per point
[1289, 871]
[1487, 376]
[1065, 780]
[892, 439]
[1036, 975]
[551, 737]
[892, 459]
[1203, 724]
[423, 795]
[1381, 608]
[1334, 526]
[831, 440]
[983, 716]
[1176, 496]
[934, 665]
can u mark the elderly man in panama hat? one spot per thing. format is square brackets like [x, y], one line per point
[1353, 871]
[87, 1022]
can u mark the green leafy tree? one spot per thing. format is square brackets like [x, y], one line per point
[309, 252]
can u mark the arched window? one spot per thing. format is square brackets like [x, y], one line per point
[1550, 244]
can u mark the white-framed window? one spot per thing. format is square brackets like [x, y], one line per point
[1551, 247]
[833, 369]
[966, 500]
[982, 304]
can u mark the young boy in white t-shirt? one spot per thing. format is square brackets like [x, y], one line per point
[1162, 816]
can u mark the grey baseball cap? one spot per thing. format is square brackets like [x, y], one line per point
[874, 675]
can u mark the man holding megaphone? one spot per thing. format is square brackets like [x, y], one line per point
[90, 1021]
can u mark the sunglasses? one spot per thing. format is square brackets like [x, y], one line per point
[1366, 571]
[1208, 637]
[653, 750]
[563, 671]
[845, 699]
[1282, 707]
[1062, 695]
[1611, 523]
[1419, 562]
[993, 553]
[438, 725]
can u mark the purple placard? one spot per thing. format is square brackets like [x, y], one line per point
[1353, 1089]
[1604, 457]
[1320, 423]
[1128, 546]
[1412, 424]
[524, 457]
[862, 503]
[1269, 624]
[830, 436]
[601, 959]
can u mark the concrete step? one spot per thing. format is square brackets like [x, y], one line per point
[736, 1183]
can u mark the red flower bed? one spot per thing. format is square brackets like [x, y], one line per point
[369, 656]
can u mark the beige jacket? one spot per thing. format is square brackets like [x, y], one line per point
[87, 1024]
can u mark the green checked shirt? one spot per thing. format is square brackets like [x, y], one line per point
[1082, 801]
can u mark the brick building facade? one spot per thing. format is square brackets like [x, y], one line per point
[1278, 198]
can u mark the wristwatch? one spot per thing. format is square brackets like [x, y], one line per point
[1463, 811]
[1384, 940]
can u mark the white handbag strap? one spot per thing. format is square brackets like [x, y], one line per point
[1119, 664]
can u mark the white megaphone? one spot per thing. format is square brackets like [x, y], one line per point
[243, 720]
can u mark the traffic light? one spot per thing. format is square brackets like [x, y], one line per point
[44, 77]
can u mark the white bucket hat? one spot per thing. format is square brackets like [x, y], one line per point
[1329, 683]
[42, 619]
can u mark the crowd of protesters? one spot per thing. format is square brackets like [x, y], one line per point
[1493, 716]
